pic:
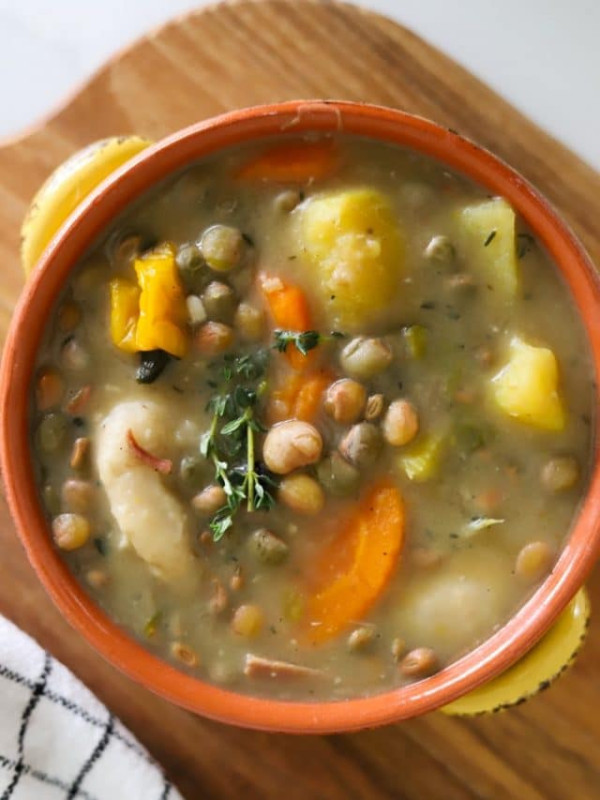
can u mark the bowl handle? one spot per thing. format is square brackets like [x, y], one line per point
[548, 659]
[69, 184]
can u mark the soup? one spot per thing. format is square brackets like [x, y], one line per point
[304, 422]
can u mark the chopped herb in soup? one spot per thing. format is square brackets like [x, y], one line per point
[313, 419]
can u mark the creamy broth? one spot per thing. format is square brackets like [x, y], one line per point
[435, 484]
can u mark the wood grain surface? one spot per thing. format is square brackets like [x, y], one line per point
[239, 54]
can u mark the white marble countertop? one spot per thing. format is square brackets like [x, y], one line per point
[542, 55]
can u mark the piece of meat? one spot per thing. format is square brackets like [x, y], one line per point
[259, 667]
[162, 465]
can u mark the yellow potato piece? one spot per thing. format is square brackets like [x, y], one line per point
[355, 253]
[456, 604]
[487, 240]
[526, 388]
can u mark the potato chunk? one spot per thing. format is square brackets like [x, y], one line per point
[526, 388]
[488, 242]
[457, 604]
[355, 253]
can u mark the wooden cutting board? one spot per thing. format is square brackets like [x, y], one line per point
[239, 54]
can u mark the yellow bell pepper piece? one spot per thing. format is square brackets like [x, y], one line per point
[124, 312]
[161, 323]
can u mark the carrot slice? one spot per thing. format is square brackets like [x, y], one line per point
[293, 163]
[307, 401]
[287, 303]
[298, 392]
[289, 310]
[355, 569]
[299, 396]
[281, 398]
[79, 400]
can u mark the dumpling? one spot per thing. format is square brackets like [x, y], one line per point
[149, 517]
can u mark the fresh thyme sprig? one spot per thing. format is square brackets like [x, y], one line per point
[230, 441]
[304, 340]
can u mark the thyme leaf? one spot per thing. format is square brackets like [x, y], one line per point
[303, 340]
[230, 440]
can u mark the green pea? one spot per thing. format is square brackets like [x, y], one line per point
[51, 432]
[128, 249]
[219, 302]
[292, 605]
[440, 249]
[222, 247]
[361, 445]
[469, 437]
[337, 476]
[51, 499]
[268, 548]
[190, 264]
[189, 258]
[415, 339]
[193, 470]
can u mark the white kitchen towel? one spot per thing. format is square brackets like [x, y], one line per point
[57, 740]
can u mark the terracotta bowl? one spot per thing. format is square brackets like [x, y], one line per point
[491, 658]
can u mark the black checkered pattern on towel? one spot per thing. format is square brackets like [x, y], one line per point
[57, 741]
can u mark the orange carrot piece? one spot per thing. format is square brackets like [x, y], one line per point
[287, 303]
[281, 398]
[299, 396]
[299, 392]
[355, 569]
[308, 400]
[298, 162]
[289, 310]
[79, 400]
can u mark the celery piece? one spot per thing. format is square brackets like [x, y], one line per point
[421, 461]
[415, 340]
